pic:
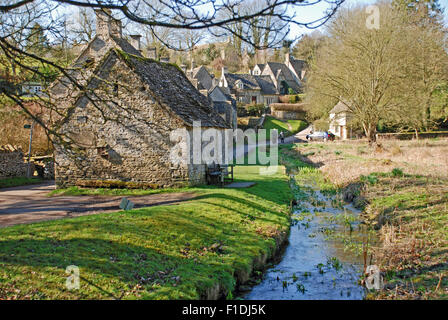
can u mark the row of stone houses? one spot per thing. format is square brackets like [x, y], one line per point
[266, 82]
[262, 85]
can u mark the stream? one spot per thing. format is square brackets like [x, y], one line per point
[315, 265]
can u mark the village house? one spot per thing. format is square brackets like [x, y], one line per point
[120, 115]
[265, 82]
[221, 102]
[248, 88]
[340, 121]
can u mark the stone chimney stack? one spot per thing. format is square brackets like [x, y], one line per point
[115, 28]
[135, 41]
[102, 23]
[106, 25]
[193, 65]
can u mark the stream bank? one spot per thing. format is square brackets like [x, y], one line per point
[318, 262]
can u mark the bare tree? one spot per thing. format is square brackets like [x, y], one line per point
[19, 16]
[360, 67]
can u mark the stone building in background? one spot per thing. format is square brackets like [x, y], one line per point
[222, 102]
[118, 119]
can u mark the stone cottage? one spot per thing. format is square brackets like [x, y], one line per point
[221, 102]
[248, 88]
[340, 117]
[120, 115]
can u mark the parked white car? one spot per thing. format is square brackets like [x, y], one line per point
[320, 135]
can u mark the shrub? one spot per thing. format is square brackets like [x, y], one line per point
[397, 172]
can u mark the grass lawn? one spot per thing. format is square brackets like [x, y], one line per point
[78, 191]
[18, 181]
[271, 123]
[180, 251]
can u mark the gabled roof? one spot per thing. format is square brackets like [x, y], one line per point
[203, 76]
[298, 66]
[174, 90]
[339, 107]
[252, 82]
[260, 66]
[277, 66]
[167, 83]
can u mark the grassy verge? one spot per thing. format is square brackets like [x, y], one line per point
[405, 190]
[294, 126]
[184, 251]
[78, 191]
[18, 181]
[411, 215]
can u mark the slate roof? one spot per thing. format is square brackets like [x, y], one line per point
[175, 91]
[167, 82]
[298, 66]
[282, 69]
[339, 107]
[260, 66]
[221, 106]
[252, 82]
[201, 74]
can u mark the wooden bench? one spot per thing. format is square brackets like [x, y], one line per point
[219, 174]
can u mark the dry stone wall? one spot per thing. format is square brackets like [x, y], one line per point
[11, 162]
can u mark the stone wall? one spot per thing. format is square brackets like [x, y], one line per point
[11, 162]
[288, 115]
[132, 145]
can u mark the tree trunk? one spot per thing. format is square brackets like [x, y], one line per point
[370, 131]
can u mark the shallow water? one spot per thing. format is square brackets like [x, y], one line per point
[313, 267]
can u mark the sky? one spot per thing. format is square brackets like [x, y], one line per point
[308, 14]
[314, 12]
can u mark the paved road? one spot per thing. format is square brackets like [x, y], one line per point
[31, 203]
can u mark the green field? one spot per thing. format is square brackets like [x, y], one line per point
[271, 123]
[164, 252]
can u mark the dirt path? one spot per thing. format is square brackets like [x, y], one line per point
[30, 203]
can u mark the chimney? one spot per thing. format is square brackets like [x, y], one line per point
[224, 70]
[102, 23]
[106, 25]
[193, 65]
[115, 28]
[135, 41]
[151, 53]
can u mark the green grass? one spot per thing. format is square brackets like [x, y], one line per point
[271, 123]
[18, 181]
[162, 252]
[411, 210]
[78, 191]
